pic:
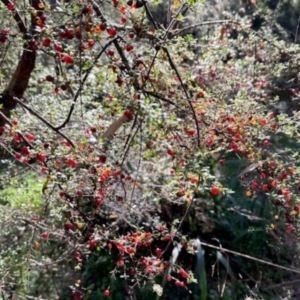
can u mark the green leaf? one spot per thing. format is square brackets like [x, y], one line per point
[224, 262]
[200, 272]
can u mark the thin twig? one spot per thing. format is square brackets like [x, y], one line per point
[82, 84]
[251, 258]
[173, 66]
[43, 120]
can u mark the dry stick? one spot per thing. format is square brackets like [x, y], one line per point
[149, 14]
[282, 284]
[250, 257]
[129, 140]
[184, 9]
[160, 97]
[185, 91]
[81, 85]
[43, 120]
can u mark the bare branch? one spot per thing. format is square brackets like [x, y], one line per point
[81, 85]
[43, 120]
[173, 66]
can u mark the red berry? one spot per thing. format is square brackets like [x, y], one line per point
[102, 158]
[92, 243]
[43, 18]
[149, 271]
[45, 235]
[87, 10]
[221, 162]
[71, 162]
[297, 209]
[58, 47]
[158, 251]
[18, 156]
[183, 274]
[115, 3]
[25, 150]
[132, 272]
[41, 157]
[171, 152]
[285, 192]
[69, 32]
[128, 114]
[106, 293]
[68, 59]
[98, 201]
[46, 42]
[73, 293]
[17, 138]
[44, 169]
[69, 226]
[77, 254]
[112, 32]
[3, 38]
[120, 263]
[110, 52]
[215, 191]
[129, 47]
[169, 278]
[79, 193]
[10, 6]
[90, 42]
[123, 20]
[103, 26]
[119, 80]
[130, 250]
[24, 160]
[178, 283]
[15, 122]
[168, 237]
[33, 44]
[263, 122]
[30, 137]
[5, 31]
[50, 78]
[200, 93]
[62, 34]
[209, 141]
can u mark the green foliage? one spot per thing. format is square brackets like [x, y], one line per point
[23, 192]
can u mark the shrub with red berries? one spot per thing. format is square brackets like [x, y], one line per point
[140, 154]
